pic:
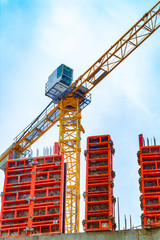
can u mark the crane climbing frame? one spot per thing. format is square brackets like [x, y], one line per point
[68, 110]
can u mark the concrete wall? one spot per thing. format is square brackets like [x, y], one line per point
[141, 234]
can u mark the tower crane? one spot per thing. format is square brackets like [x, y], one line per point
[69, 99]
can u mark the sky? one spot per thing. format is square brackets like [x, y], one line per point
[37, 36]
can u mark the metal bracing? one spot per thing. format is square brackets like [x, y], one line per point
[130, 41]
[35, 130]
[134, 37]
[69, 112]
[69, 140]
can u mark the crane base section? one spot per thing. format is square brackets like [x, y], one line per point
[140, 234]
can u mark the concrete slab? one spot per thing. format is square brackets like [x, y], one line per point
[140, 234]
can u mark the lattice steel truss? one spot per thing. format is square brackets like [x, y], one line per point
[69, 140]
[70, 112]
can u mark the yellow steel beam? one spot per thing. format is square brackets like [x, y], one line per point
[133, 38]
[69, 140]
[23, 143]
[70, 113]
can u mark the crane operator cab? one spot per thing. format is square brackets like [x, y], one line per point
[59, 82]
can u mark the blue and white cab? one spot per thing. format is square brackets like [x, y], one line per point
[58, 82]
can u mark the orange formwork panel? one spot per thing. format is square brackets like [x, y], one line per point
[150, 204]
[99, 200]
[150, 164]
[32, 200]
[56, 148]
[149, 181]
[150, 220]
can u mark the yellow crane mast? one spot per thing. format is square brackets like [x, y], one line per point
[67, 110]
[69, 139]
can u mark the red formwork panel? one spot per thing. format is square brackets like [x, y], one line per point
[32, 200]
[150, 204]
[149, 161]
[100, 139]
[144, 158]
[150, 220]
[98, 225]
[150, 182]
[151, 165]
[99, 200]
[56, 148]
[149, 149]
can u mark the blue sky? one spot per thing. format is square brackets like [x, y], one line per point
[37, 36]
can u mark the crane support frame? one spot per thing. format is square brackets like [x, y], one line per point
[134, 37]
[34, 130]
[68, 110]
[69, 140]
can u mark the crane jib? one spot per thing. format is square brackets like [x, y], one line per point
[133, 38]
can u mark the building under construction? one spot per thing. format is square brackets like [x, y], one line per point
[42, 194]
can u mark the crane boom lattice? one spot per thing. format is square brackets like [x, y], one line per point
[134, 37]
[71, 98]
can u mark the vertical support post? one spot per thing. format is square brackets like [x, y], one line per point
[141, 140]
[125, 221]
[130, 222]
[118, 214]
[69, 140]
[64, 197]
[154, 141]
[32, 195]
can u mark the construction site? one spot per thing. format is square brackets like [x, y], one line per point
[66, 187]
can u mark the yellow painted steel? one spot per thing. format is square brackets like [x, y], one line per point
[22, 144]
[70, 113]
[69, 140]
[119, 51]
